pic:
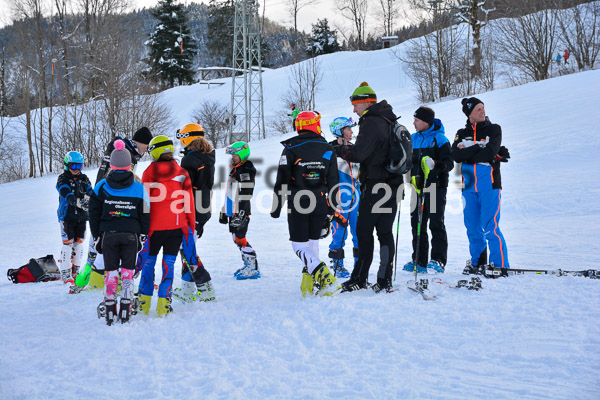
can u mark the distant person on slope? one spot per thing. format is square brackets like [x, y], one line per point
[349, 192]
[566, 56]
[236, 211]
[199, 162]
[376, 185]
[136, 147]
[294, 114]
[171, 216]
[74, 189]
[307, 173]
[478, 146]
[119, 218]
[558, 59]
[431, 151]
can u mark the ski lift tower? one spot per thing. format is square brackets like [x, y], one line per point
[247, 112]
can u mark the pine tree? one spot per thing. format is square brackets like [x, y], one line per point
[323, 40]
[171, 47]
[220, 31]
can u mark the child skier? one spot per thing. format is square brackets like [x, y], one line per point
[74, 189]
[199, 161]
[171, 215]
[119, 221]
[236, 211]
[349, 193]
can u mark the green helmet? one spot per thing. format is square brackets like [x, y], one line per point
[241, 149]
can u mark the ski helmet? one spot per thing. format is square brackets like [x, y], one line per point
[188, 133]
[338, 125]
[160, 144]
[73, 160]
[309, 121]
[241, 149]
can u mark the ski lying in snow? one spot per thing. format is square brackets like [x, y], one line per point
[421, 287]
[473, 284]
[495, 272]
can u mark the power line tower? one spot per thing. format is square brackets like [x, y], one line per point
[247, 112]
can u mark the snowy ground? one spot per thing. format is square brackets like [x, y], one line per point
[521, 337]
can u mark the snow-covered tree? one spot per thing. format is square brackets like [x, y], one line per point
[323, 40]
[171, 47]
[474, 13]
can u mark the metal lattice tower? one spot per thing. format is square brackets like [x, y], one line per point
[247, 112]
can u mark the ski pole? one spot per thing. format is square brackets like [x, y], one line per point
[397, 234]
[420, 219]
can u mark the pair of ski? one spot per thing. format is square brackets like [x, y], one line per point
[421, 286]
[490, 271]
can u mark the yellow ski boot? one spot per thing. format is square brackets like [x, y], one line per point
[326, 282]
[307, 284]
[96, 279]
[163, 307]
[145, 301]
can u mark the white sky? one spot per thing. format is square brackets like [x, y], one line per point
[275, 10]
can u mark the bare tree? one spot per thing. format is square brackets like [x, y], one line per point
[580, 28]
[294, 7]
[474, 13]
[212, 116]
[528, 42]
[304, 79]
[388, 13]
[356, 12]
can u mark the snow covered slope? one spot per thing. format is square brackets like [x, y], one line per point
[521, 337]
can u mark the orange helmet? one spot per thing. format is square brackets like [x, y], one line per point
[188, 133]
[309, 121]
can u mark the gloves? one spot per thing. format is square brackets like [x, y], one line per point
[326, 228]
[276, 213]
[223, 218]
[467, 143]
[142, 240]
[503, 154]
[83, 203]
[427, 164]
[239, 220]
[340, 219]
[72, 200]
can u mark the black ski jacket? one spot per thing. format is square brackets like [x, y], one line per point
[119, 204]
[201, 168]
[245, 174]
[70, 188]
[307, 162]
[372, 145]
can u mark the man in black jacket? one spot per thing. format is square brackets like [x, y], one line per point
[308, 169]
[378, 203]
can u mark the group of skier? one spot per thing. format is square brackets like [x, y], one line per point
[337, 186]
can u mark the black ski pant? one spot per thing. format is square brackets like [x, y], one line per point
[434, 214]
[120, 250]
[376, 211]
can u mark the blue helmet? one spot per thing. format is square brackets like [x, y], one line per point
[338, 125]
[73, 160]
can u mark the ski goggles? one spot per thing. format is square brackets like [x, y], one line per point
[75, 166]
[233, 150]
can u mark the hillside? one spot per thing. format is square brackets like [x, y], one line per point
[526, 337]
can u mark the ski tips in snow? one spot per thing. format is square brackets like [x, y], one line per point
[491, 271]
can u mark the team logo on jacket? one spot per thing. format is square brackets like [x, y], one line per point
[311, 175]
[119, 214]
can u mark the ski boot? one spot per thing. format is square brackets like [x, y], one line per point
[325, 282]
[125, 310]
[186, 292]
[471, 269]
[410, 267]
[144, 302]
[353, 284]
[67, 279]
[108, 309]
[337, 263]
[96, 279]
[383, 285]
[74, 272]
[307, 284]
[436, 266]
[205, 292]
[250, 269]
[164, 306]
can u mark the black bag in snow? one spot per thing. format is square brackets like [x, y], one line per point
[42, 269]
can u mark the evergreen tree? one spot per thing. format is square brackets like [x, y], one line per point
[171, 47]
[220, 31]
[323, 40]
